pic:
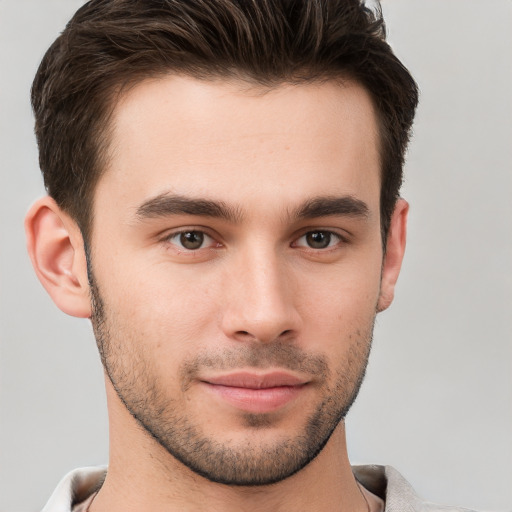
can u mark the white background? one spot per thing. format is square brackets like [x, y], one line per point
[437, 403]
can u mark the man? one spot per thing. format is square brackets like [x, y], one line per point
[224, 205]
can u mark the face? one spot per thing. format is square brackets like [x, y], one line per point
[236, 268]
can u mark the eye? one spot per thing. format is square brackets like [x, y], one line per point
[191, 240]
[318, 240]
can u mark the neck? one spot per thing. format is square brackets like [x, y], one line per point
[143, 476]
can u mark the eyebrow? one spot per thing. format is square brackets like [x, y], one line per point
[332, 206]
[165, 205]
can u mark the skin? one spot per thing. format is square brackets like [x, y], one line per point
[254, 284]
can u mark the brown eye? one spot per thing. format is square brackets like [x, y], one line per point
[191, 240]
[318, 239]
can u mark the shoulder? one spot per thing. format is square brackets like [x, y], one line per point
[387, 483]
[75, 487]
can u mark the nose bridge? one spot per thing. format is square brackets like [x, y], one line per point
[260, 297]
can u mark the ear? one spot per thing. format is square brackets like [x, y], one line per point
[395, 248]
[56, 248]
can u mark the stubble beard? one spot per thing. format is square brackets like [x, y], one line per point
[249, 463]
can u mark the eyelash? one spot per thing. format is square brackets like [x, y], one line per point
[178, 234]
[338, 239]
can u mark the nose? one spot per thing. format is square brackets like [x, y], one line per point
[260, 303]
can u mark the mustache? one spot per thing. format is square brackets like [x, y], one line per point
[257, 355]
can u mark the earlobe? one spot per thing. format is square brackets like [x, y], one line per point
[395, 249]
[56, 249]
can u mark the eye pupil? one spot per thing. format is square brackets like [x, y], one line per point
[192, 239]
[318, 239]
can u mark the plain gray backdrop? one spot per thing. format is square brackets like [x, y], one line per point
[437, 402]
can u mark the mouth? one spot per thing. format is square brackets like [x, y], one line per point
[256, 393]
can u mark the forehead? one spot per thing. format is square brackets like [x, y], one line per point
[225, 140]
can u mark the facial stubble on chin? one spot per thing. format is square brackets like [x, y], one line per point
[248, 464]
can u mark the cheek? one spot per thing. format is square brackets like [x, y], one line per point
[166, 314]
[342, 299]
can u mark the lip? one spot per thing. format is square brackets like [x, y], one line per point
[256, 393]
[250, 380]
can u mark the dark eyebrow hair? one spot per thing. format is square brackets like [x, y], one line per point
[332, 205]
[168, 204]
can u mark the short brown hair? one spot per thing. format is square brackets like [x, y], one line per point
[111, 44]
